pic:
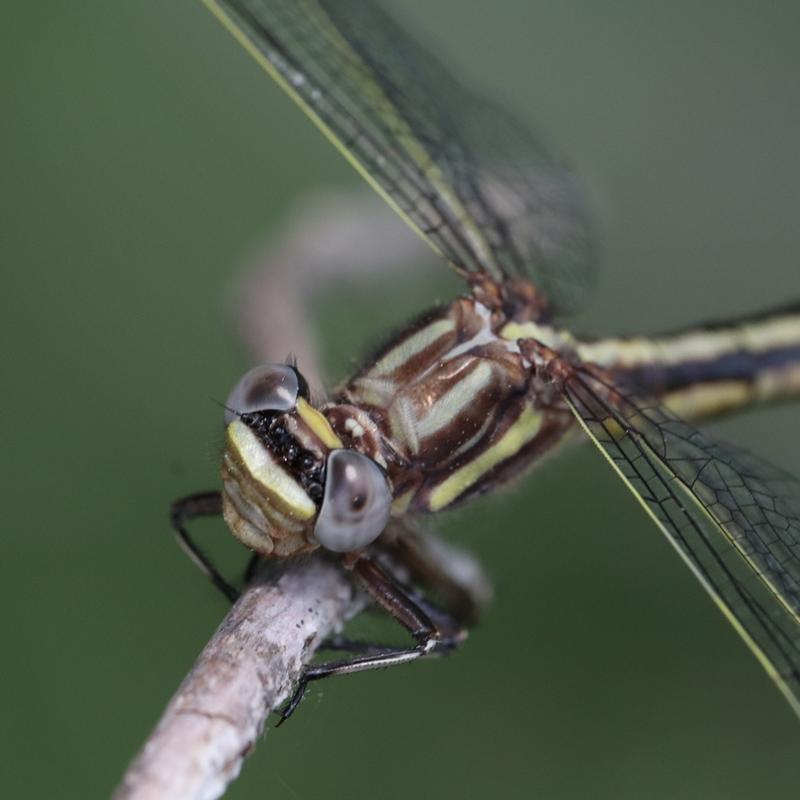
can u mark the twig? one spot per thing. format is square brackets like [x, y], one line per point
[250, 665]
[246, 670]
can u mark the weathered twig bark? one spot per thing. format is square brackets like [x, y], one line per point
[246, 670]
[249, 667]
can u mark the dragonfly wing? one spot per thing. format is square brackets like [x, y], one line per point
[466, 175]
[733, 518]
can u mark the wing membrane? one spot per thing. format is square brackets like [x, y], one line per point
[462, 172]
[733, 518]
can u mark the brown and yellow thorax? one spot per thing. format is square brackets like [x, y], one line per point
[454, 406]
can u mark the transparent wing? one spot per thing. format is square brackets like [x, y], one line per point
[461, 171]
[734, 518]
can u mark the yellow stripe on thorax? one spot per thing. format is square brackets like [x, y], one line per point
[513, 440]
[453, 403]
[412, 346]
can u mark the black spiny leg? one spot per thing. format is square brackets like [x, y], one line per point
[445, 635]
[183, 511]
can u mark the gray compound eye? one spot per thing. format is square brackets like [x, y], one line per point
[270, 387]
[356, 503]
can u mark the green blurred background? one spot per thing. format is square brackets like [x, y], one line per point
[143, 155]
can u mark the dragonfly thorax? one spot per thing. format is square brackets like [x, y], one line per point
[453, 404]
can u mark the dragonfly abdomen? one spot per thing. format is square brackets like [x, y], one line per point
[713, 370]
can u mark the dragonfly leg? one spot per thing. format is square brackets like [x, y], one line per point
[183, 511]
[347, 645]
[456, 578]
[250, 569]
[431, 637]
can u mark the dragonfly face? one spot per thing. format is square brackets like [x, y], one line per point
[288, 484]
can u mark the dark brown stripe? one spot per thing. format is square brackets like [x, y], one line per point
[742, 365]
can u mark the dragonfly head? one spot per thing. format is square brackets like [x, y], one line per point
[289, 484]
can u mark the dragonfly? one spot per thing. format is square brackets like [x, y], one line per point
[474, 392]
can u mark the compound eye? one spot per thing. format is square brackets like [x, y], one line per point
[270, 387]
[356, 503]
